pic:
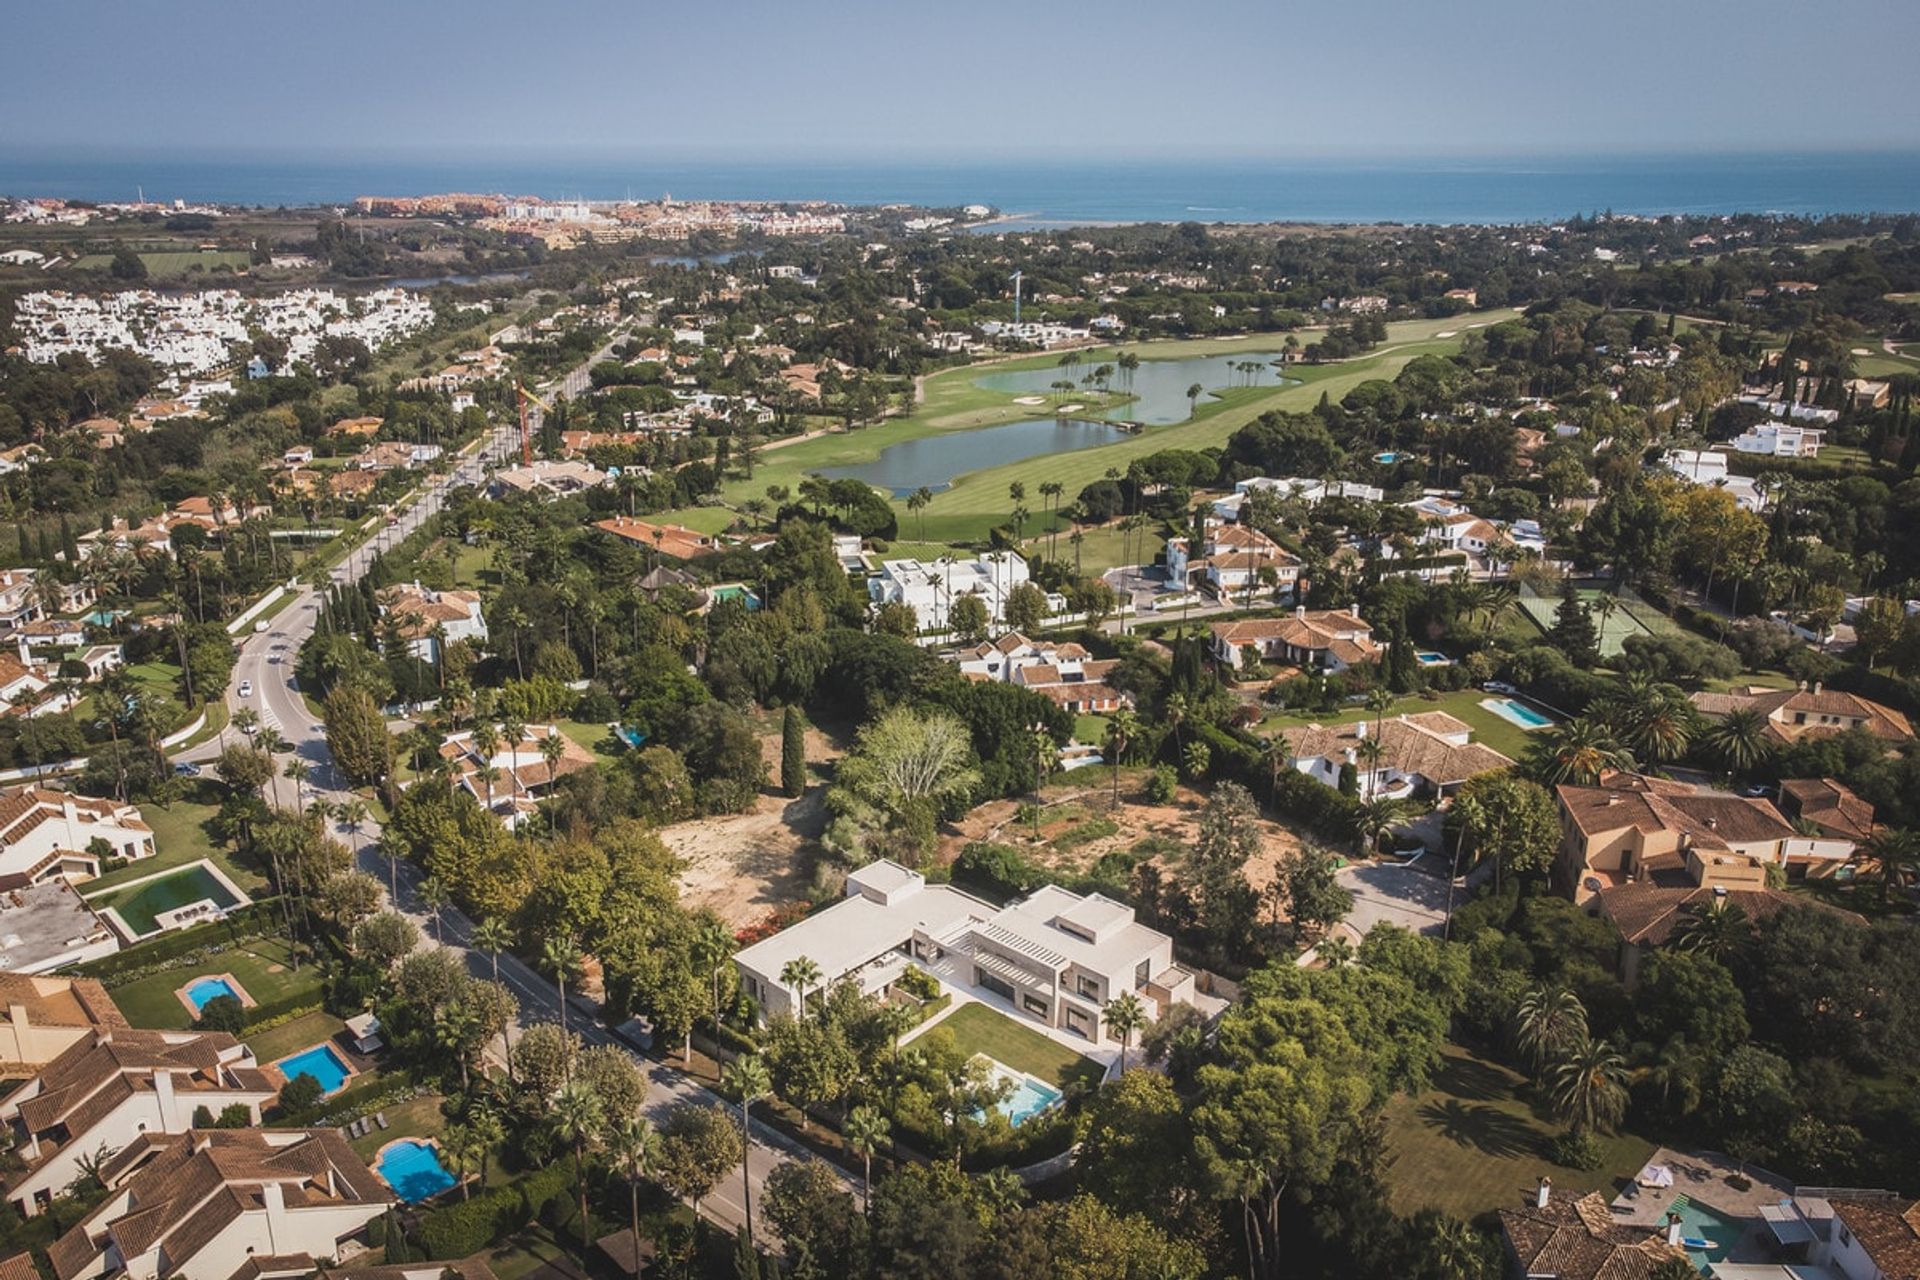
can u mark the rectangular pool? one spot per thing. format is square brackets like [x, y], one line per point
[205, 989]
[1514, 711]
[141, 905]
[1026, 1096]
[413, 1169]
[320, 1062]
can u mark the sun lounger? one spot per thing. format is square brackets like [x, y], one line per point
[381, 1119]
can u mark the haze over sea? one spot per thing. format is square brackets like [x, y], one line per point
[1438, 189]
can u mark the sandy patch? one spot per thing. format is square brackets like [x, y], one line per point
[1070, 408]
[1029, 399]
[1446, 333]
[744, 865]
[1859, 351]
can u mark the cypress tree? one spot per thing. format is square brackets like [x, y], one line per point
[46, 547]
[793, 753]
[68, 544]
[26, 547]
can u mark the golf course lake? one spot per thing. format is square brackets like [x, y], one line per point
[1159, 387]
[933, 461]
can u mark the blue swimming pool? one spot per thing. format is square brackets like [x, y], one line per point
[413, 1169]
[1517, 712]
[630, 735]
[1387, 458]
[1427, 658]
[320, 1062]
[1706, 1234]
[205, 989]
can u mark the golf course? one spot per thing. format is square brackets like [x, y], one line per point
[953, 401]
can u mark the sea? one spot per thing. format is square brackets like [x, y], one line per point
[1031, 194]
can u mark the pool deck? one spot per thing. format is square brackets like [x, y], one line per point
[233, 984]
[357, 1064]
[415, 1140]
[1716, 1181]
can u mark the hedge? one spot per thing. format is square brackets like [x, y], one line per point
[1321, 809]
[387, 1089]
[172, 949]
[464, 1229]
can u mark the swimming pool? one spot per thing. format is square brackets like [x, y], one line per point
[735, 591]
[1516, 712]
[202, 990]
[413, 1169]
[1026, 1099]
[170, 900]
[630, 735]
[1426, 658]
[320, 1062]
[1705, 1233]
[1387, 458]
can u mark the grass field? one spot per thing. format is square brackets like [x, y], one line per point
[291, 1037]
[1473, 1143]
[978, 500]
[261, 966]
[977, 1029]
[179, 837]
[174, 264]
[1507, 738]
[416, 1118]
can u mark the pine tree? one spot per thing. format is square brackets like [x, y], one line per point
[793, 754]
[1573, 629]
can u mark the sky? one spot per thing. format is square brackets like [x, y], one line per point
[1043, 80]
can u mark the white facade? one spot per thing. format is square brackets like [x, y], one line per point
[1780, 440]
[931, 587]
[46, 833]
[1056, 957]
[1709, 467]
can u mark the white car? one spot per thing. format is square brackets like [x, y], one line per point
[246, 688]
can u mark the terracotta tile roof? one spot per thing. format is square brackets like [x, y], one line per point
[98, 1073]
[181, 1191]
[1409, 744]
[1889, 1231]
[19, 1267]
[671, 540]
[1578, 1239]
[59, 1002]
[1305, 629]
[416, 611]
[1830, 805]
[1647, 913]
[1711, 820]
[1781, 707]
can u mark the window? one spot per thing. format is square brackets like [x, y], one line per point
[1035, 1005]
[1087, 987]
[999, 986]
[1142, 972]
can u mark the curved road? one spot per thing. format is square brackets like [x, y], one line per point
[266, 665]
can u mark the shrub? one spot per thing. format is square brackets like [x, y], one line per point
[1161, 784]
[300, 1092]
[222, 1013]
[1577, 1151]
[1000, 870]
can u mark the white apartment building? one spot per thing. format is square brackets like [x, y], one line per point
[1055, 957]
[46, 833]
[205, 1205]
[931, 587]
[114, 1086]
[1709, 467]
[1312, 492]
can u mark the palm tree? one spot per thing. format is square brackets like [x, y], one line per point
[1589, 1085]
[1122, 728]
[1549, 1020]
[1898, 853]
[1376, 818]
[299, 771]
[713, 945]
[1577, 752]
[1045, 756]
[562, 956]
[866, 1128]
[552, 748]
[434, 896]
[917, 503]
[747, 1077]
[1175, 710]
[1193, 397]
[578, 1119]
[634, 1145]
[493, 935]
[1126, 1017]
[1714, 928]
[1739, 739]
[800, 973]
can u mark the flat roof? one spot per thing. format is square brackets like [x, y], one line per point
[855, 930]
[42, 922]
[1033, 918]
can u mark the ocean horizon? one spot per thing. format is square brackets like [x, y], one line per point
[1439, 190]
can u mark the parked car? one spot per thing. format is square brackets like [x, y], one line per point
[246, 688]
[1499, 686]
[187, 769]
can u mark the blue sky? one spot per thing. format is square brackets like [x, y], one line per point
[1041, 79]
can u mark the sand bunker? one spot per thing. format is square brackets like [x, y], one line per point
[1029, 399]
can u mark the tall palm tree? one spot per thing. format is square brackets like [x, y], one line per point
[1588, 1085]
[1123, 727]
[712, 947]
[634, 1145]
[434, 896]
[1715, 928]
[578, 1120]
[493, 935]
[798, 974]
[1549, 1020]
[866, 1128]
[561, 955]
[1739, 739]
[1126, 1017]
[1898, 852]
[1577, 752]
[746, 1076]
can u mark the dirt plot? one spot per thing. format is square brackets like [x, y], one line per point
[1080, 825]
[744, 865]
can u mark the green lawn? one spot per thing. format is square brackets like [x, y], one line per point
[1502, 735]
[978, 500]
[416, 1118]
[180, 836]
[596, 738]
[261, 966]
[1473, 1143]
[171, 265]
[977, 1029]
[291, 1037]
[1090, 729]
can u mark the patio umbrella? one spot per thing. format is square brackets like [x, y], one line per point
[1655, 1175]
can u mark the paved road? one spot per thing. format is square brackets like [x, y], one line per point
[266, 665]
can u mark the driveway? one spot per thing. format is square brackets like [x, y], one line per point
[1385, 893]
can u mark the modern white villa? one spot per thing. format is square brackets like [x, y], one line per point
[931, 586]
[1054, 957]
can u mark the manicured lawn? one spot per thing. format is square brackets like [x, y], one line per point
[596, 738]
[180, 836]
[291, 1037]
[261, 966]
[1100, 549]
[1090, 729]
[978, 501]
[171, 265]
[416, 1118]
[977, 1029]
[1473, 1143]
[1507, 738]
